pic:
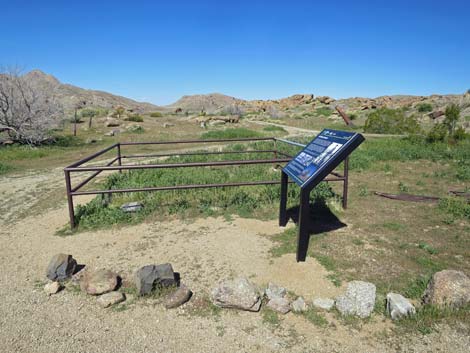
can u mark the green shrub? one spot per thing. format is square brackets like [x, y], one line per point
[232, 133]
[460, 134]
[156, 115]
[352, 116]
[438, 133]
[456, 207]
[135, 118]
[424, 107]
[391, 121]
[452, 114]
[324, 111]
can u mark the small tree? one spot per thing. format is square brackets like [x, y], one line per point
[119, 112]
[90, 114]
[27, 112]
[452, 114]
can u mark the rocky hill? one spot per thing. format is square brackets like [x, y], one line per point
[70, 96]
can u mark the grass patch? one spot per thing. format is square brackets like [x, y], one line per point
[316, 318]
[411, 149]
[456, 207]
[156, 115]
[270, 317]
[203, 307]
[274, 128]
[427, 316]
[231, 133]
[5, 168]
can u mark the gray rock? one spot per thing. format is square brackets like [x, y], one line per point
[178, 297]
[111, 298]
[398, 306]
[52, 288]
[448, 287]
[281, 305]
[275, 291]
[61, 267]
[323, 303]
[98, 282]
[299, 305]
[359, 299]
[111, 122]
[132, 207]
[149, 277]
[238, 293]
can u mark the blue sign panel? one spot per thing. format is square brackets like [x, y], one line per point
[318, 155]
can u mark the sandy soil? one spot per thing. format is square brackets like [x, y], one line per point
[203, 251]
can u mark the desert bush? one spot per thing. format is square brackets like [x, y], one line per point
[135, 129]
[391, 121]
[437, 133]
[118, 112]
[27, 112]
[452, 114]
[424, 107]
[135, 118]
[352, 116]
[156, 115]
[324, 111]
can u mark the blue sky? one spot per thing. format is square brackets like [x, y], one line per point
[160, 50]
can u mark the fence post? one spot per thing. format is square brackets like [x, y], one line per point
[119, 155]
[283, 203]
[69, 199]
[345, 182]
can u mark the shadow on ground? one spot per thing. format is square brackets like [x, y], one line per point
[321, 218]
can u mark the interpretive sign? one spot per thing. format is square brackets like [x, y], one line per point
[308, 168]
[323, 151]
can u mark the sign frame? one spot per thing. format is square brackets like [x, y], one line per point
[308, 185]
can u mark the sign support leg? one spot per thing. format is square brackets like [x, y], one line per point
[303, 235]
[283, 203]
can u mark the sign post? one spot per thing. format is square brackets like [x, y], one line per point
[311, 165]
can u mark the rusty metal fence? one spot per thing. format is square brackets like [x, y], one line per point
[278, 158]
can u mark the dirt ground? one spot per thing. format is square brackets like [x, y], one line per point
[203, 251]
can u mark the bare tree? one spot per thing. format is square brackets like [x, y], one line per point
[27, 112]
[234, 109]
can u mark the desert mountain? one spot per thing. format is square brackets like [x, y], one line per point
[69, 96]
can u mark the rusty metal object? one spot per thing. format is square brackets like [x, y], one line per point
[408, 197]
[436, 114]
[460, 194]
[345, 117]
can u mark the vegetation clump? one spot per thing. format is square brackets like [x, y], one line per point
[156, 115]
[391, 121]
[135, 118]
[424, 107]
